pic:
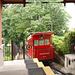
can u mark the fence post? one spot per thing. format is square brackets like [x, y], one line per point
[12, 49]
[23, 49]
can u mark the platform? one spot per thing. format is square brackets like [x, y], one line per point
[16, 67]
[25, 67]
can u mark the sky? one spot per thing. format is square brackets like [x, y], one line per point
[70, 8]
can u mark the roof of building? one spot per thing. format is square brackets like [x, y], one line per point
[40, 33]
[43, 33]
[25, 1]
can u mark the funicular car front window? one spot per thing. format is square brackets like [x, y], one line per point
[46, 41]
[35, 42]
[41, 42]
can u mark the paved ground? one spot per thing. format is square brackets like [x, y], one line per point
[16, 67]
[20, 56]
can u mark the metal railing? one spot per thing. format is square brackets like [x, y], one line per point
[10, 51]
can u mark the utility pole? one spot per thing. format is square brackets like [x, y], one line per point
[51, 27]
[51, 31]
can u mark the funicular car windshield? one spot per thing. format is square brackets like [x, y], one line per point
[41, 42]
[46, 41]
[36, 43]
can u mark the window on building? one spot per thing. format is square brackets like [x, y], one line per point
[41, 42]
[46, 41]
[69, 62]
[35, 42]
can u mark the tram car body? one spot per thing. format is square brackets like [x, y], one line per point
[39, 46]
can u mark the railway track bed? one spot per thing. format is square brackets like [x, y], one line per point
[56, 68]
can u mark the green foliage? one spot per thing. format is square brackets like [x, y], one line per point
[63, 44]
[35, 17]
[7, 58]
[60, 34]
[12, 24]
[7, 54]
[69, 39]
[58, 44]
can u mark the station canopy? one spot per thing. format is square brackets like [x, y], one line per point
[30, 1]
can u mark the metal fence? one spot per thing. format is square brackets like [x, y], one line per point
[10, 51]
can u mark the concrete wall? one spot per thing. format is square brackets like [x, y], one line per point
[0, 24]
[70, 63]
[1, 55]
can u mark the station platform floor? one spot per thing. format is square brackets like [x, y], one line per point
[25, 67]
[16, 67]
[28, 66]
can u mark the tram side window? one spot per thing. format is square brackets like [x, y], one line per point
[35, 42]
[46, 41]
[41, 42]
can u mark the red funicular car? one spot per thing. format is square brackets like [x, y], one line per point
[39, 46]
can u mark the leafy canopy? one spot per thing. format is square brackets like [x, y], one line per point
[35, 17]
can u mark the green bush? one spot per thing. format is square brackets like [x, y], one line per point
[63, 44]
[69, 39]
[7, 58]
[61, 34]
[58, 44]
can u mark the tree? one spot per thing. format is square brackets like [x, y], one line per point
[17, 20]
[11, 22]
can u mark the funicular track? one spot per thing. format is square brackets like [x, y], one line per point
[55, 69]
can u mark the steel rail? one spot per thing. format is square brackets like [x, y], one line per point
[59, 70]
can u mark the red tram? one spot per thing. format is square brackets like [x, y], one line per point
[39, 46]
